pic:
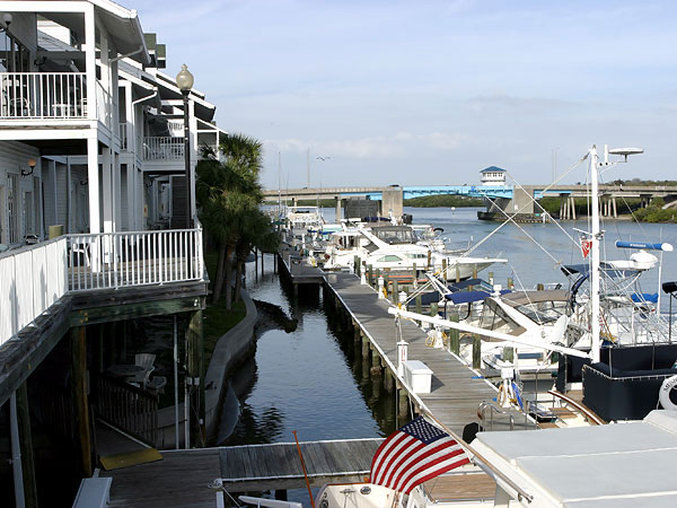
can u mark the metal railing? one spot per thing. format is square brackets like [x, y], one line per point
[115, 260]
[163, 148]
[43, 95]
[33, 278]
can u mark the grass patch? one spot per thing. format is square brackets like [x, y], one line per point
[217, 320]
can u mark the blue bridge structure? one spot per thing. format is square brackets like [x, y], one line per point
[501, 200]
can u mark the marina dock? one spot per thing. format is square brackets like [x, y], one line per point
[184, 477]
[457, 391]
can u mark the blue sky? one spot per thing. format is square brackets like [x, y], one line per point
[431, 92]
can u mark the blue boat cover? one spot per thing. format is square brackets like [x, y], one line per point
[645, 297]
[470, 296]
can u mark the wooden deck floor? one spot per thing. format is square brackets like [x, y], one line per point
[183, 477]
[456, 391]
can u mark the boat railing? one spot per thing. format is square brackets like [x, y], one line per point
[493, 408]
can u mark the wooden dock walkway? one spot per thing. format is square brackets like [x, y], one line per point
[456, 390]
[183, 478]
[297, 272]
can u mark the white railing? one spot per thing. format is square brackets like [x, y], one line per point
[31, 280]
[43, 95]
[115, 260]
[163, 148]
[34, 278]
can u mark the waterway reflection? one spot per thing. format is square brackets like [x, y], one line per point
[303, 380]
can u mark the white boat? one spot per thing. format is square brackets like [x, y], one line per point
[303, 218]
[396, 248]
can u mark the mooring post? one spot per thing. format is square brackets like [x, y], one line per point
[396, 292]
[402, 404]
[454, 335]
[476, 351]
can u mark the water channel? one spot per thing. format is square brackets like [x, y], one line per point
[305, 380]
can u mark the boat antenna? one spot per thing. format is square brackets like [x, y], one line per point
[303, 466]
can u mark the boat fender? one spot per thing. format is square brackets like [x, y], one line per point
[664, 393]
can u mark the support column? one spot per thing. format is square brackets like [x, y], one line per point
[26, 443]
[80, 397]
[195, 372]
[572, 200]
[615, 208]
[93, 184]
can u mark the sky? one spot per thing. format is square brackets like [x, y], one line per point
[430, 92]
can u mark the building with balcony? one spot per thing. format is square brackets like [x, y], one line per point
[94, 236]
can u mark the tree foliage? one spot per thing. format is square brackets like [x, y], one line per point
[229, 195]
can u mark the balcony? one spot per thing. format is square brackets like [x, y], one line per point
[33, 279]
[163, 148]
[43, 95]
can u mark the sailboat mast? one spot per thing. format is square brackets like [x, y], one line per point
[594, 256]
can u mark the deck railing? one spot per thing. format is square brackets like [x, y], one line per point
[115, 260]
[33, 278]
[163, 148]
[43, 95]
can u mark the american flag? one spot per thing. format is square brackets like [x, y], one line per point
[414, 454]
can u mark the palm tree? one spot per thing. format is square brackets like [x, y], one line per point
[229, 194]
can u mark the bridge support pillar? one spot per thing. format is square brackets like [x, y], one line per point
[339, 206]
[392, 202]
[615, 208]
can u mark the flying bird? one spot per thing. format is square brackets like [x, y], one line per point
[322, 158]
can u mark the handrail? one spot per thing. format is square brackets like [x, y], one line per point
[494, 408]
[588, 414]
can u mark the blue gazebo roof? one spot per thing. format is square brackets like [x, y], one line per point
[493, 169]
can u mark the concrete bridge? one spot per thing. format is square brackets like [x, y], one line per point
[509, 199]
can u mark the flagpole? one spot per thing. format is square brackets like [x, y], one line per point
[477, 456]
[303, 466]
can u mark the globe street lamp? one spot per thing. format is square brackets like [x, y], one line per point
[184, 80]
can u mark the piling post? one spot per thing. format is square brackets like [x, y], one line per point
[396, 292]
[508, 354]
[454, 335]
[370, 275]
[388, 381]
[476, 352]
[458, 273]
[414, 276]
[491, 278]
[418, 304]
[434, 309]
[402, 405]
[26, 446]
[511, 285]
[80, 397]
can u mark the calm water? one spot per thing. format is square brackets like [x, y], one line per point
[303, 380]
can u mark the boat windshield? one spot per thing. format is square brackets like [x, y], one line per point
[395, 235]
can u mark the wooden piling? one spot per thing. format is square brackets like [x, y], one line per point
[476, 351]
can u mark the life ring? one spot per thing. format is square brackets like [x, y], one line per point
[664, 393]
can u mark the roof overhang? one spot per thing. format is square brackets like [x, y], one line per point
[122, 24]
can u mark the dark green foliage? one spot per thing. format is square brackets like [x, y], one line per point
[443, 200]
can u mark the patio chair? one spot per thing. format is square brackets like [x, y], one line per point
[156, 384]
[145, 360]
